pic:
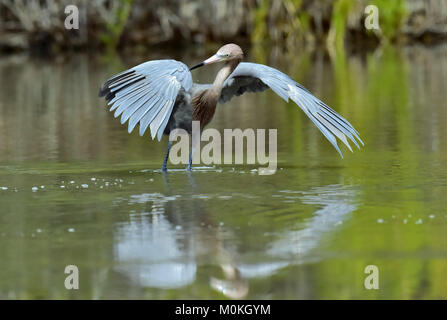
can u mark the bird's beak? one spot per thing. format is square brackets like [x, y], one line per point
[213, 59]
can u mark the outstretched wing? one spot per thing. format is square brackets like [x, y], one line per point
[146, 94]
[253, 77]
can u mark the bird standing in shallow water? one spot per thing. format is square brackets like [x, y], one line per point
[160, 94]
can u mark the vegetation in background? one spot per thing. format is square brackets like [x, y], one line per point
[115, 26]
[280, 22]
[340, 12]
[260, 14]
[284, 23]
[392, 17]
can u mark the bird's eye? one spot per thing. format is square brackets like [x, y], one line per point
[227, 55]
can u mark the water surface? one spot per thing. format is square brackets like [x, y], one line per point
[77, 189]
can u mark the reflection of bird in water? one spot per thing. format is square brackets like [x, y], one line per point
[160, 94]
[154, 252]
[162, 247]
[149, 254]
[234, 286]
[335, 203]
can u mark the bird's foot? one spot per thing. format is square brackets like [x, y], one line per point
[188, 168]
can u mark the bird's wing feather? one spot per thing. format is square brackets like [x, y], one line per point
[146, 94]
[253, 77]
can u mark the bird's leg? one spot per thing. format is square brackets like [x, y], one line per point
[165, 162]
[195, 142]
[188, 167]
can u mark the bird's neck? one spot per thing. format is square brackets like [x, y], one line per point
[204, 103]
[222, 75]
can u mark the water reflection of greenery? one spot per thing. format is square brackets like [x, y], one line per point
[401, 170]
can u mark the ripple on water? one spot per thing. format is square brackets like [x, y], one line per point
[152, 197]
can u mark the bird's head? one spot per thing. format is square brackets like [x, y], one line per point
[228, 52]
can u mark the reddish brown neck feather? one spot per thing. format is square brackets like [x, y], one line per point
[204, 103]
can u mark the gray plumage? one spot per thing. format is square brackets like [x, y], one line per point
[158, 94]
[146, 94]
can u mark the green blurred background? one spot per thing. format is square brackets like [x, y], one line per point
[39, 24]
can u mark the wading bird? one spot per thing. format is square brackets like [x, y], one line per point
[160, 94]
